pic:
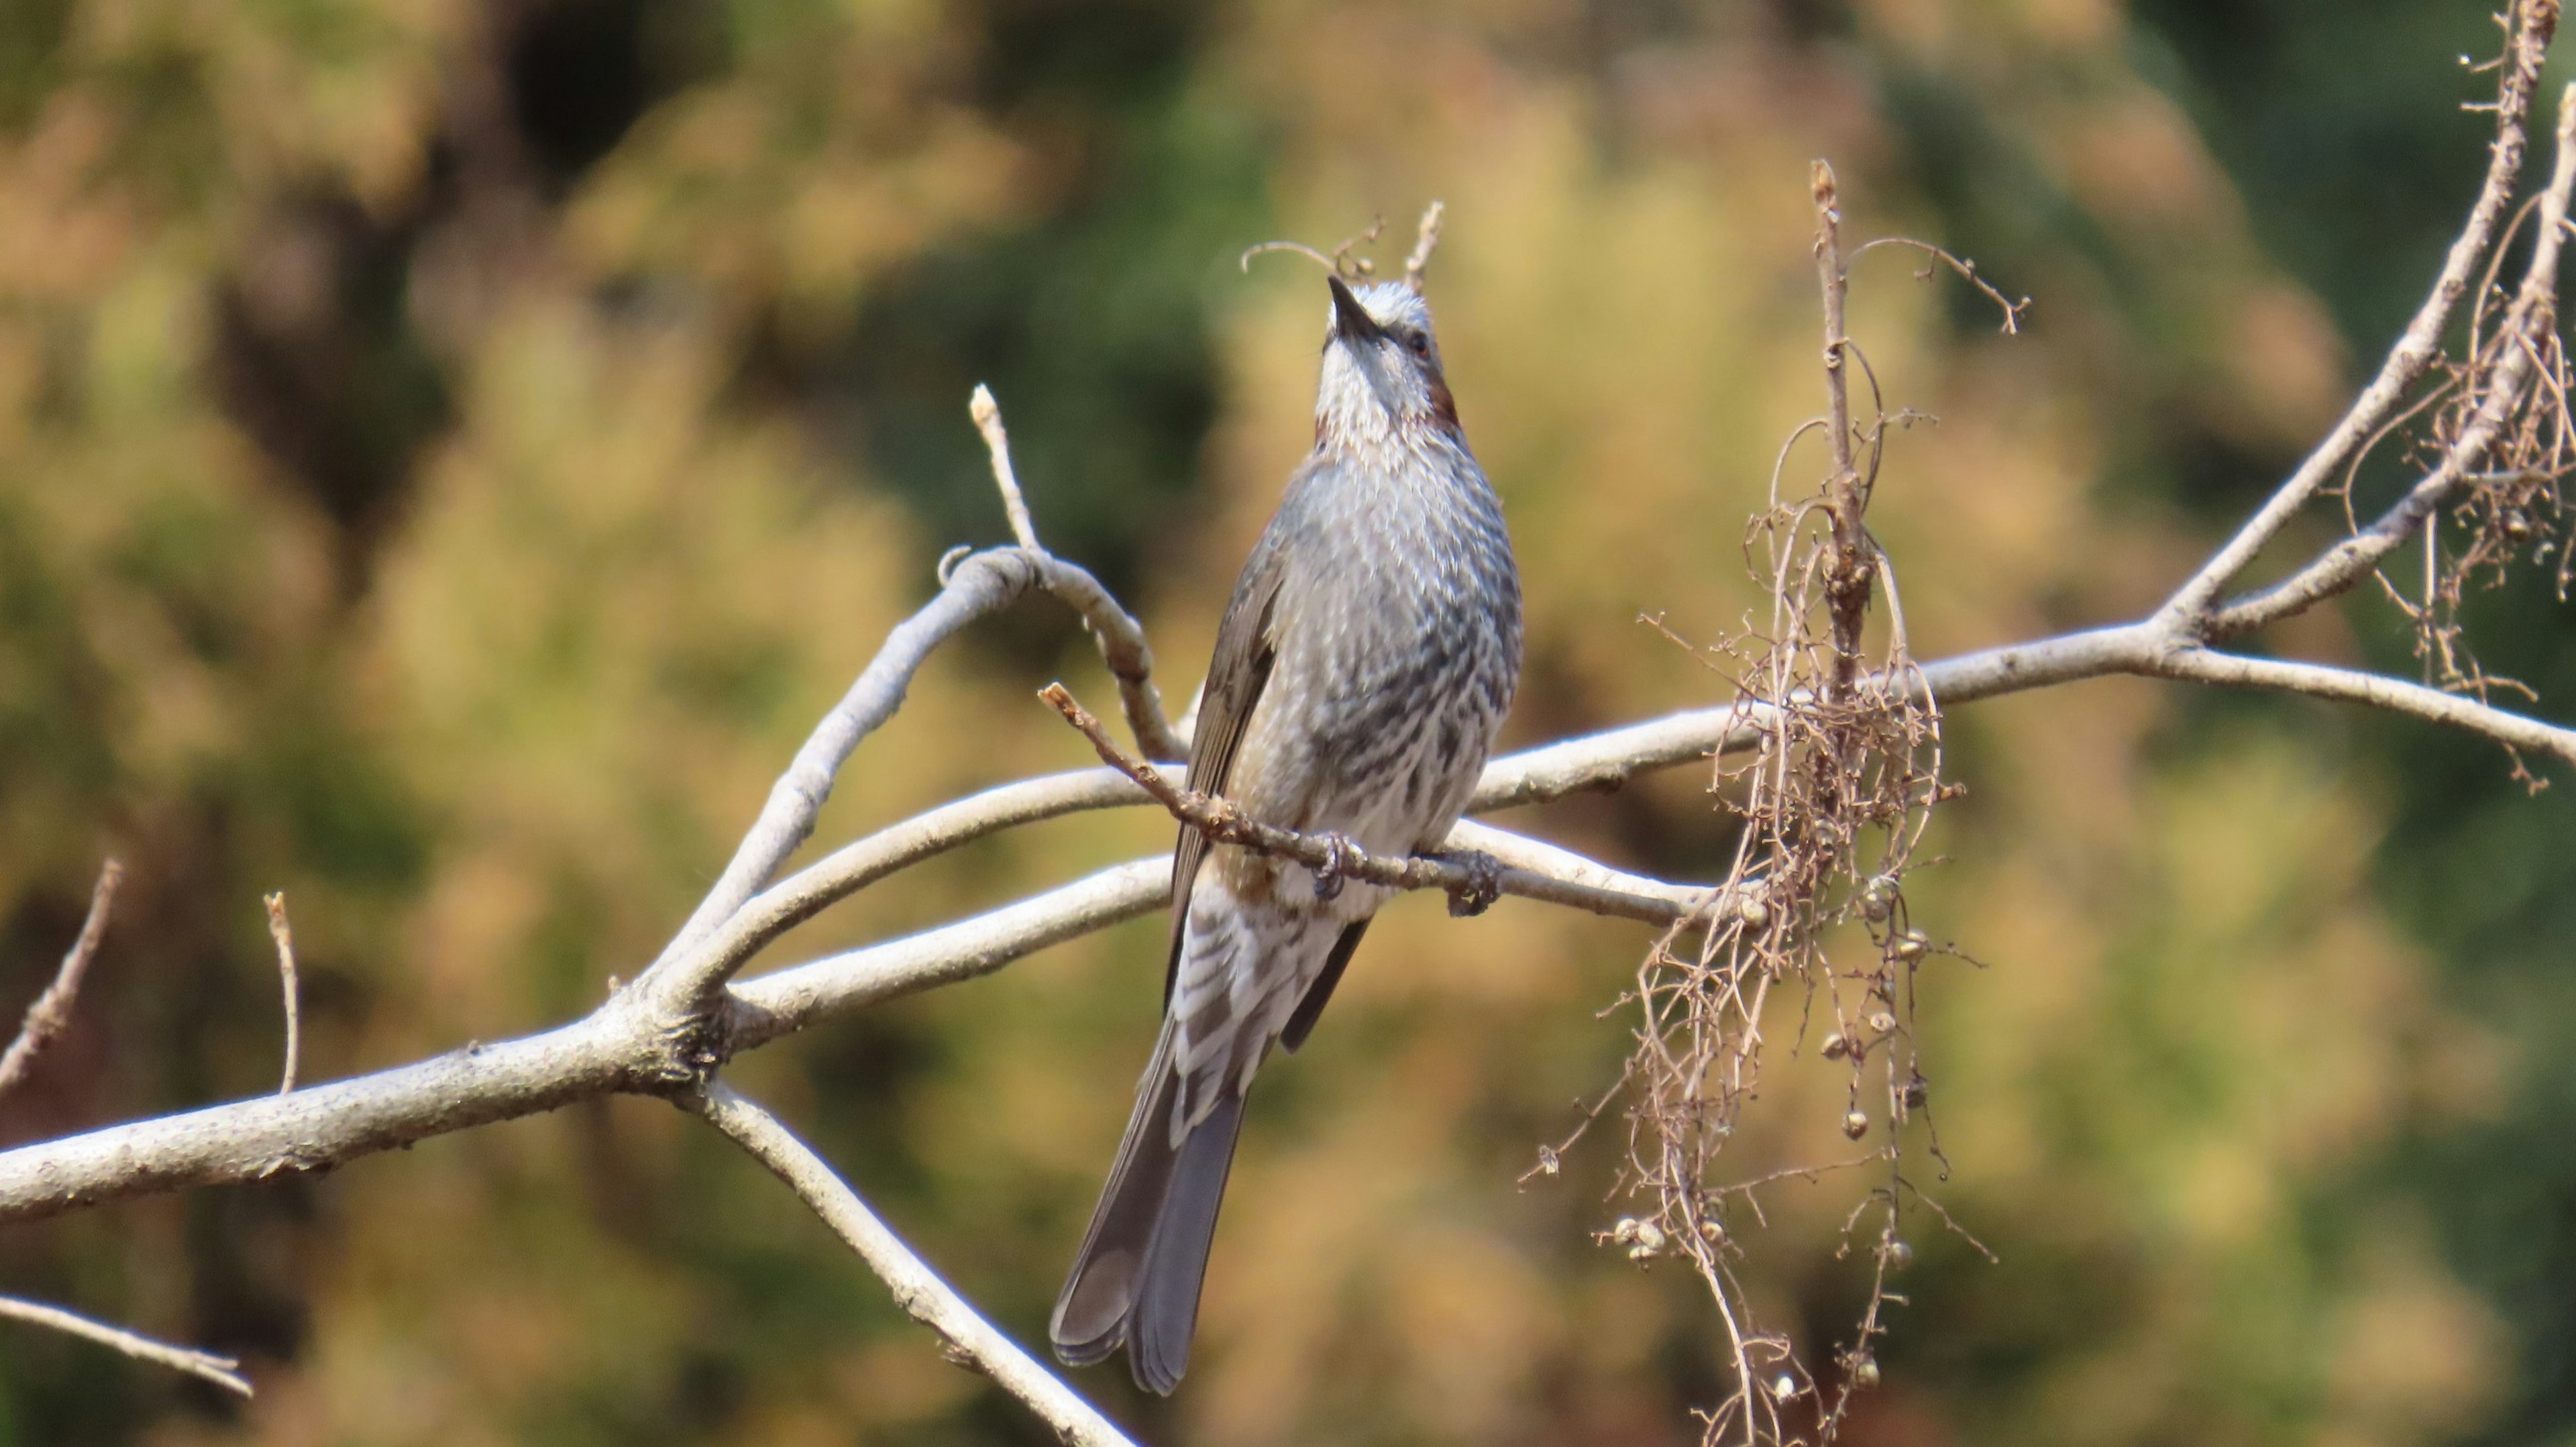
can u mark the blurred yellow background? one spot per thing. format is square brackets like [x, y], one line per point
[451, 451]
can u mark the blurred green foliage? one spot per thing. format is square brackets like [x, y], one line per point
[450, 450]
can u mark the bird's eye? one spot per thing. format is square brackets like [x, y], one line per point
[1420, 342]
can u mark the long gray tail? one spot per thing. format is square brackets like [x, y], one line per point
[1136, 1279]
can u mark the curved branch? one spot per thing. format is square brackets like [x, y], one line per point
[985, 582]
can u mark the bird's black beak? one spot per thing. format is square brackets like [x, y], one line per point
[1351, 321]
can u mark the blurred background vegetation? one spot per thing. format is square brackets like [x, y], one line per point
[450, 450]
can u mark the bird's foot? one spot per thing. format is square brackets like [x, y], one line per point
[1484, 882]
[1342, 855]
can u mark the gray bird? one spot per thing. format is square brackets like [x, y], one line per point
[1361, 671]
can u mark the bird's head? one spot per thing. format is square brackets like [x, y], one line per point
[1381, 366]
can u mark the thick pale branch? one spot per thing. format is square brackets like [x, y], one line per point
[224, 1372]
[320, 1126]
[52, 1009]
[2535, 23]
[918, 1289]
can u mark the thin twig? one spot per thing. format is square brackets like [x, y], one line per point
[997, 443]
[1223, 823]
[1426, 239]
[971, 1340]
[52, 1011]
[285, 937]
[1967, 270]
[222, 1371]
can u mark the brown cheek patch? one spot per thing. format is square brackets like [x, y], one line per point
[1443, 406]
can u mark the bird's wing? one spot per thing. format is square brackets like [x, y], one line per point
[1246, 647]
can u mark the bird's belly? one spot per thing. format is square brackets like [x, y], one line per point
[1391, 778]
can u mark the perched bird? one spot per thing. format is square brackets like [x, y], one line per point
[1361, 671]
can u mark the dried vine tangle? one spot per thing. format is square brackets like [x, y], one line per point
[1840, 771]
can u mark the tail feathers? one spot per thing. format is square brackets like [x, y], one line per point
[1136, 1280]
[1166, 1313]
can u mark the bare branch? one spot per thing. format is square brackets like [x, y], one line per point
[2317, 680]
[855, 866]
[323, 1125]
[1223, 823]
[684, 980]
[1123, 650]
[982, 583]
[971, 1340]
[285, 937]
[1521, 854]
[52, 1011]
[2534, 309]
[2535, 23]
[620, 1047]
[788, 1000]
[222, 1371]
